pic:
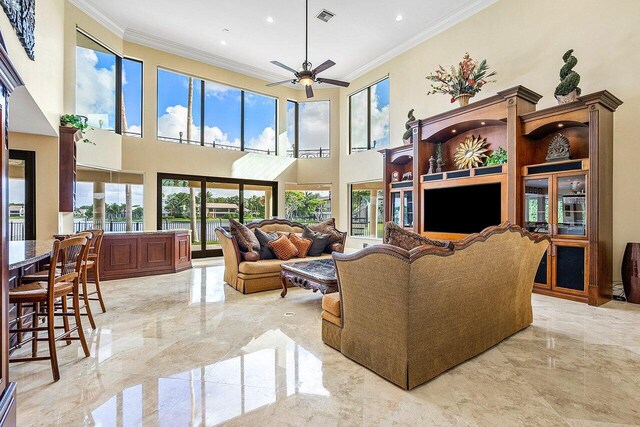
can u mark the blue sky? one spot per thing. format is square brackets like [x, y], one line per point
[132, 91]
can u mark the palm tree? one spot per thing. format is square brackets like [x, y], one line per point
[192, 191]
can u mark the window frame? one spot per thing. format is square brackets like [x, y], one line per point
[29, 159]
[296, 135]
[297, 127]
[368, 89]
[203, 83]
[128, 58]
[350, 203]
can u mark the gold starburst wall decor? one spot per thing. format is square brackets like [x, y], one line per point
[471, 152]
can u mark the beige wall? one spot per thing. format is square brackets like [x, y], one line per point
[43, 77]
[46, 149]
[524, 41]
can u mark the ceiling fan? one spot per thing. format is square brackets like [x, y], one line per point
[307, 75]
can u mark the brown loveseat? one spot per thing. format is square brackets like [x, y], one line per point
[255, 276]
[411, 315]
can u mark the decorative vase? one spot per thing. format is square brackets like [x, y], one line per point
[565, 99]
[463, 99]
[631, 272]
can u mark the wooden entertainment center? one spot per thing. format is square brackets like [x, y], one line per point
[570, 200]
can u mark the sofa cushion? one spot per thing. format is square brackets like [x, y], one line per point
[265, 266]
[283, 248]
[331, 303]
[331, 318]
[319, 241]
[328, 227]
[398, 236]
[335, 247]
[271, 228]
[264, 238]
[247, 241]
[301, 244]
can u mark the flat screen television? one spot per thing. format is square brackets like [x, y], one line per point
[465, 209]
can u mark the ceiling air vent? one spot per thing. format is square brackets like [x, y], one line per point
[325, 15]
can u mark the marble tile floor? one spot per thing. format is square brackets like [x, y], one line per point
[187, 350]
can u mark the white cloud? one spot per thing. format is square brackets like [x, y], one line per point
[314, 125]
[379, 121]
[95, 89]
[174, 121]
[264, 141]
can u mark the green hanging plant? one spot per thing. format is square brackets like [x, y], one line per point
[76, 121]
[498, 157]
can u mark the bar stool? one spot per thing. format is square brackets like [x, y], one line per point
[93, 264]
[66, 267]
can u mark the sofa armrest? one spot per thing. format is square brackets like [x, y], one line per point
[231, 254]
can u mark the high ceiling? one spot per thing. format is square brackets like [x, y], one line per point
[237, 34]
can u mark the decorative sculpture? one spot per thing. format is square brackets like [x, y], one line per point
[432, 165]
[22, 15]
[471, 152]
[559, 149]
[439, 160]
[408, 132]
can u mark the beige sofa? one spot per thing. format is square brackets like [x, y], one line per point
[411, 315]
[249, 277]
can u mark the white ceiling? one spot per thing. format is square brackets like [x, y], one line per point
[363, 33]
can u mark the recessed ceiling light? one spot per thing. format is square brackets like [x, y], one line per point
[482, 123]
[453, 131]
[223, 43]
[399, 18]
[225, 30]
[269, 19]
[560, 125]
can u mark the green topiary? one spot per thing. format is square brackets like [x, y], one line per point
[568, 79]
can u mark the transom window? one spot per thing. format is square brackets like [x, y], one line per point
[369, 117]
[200, 112]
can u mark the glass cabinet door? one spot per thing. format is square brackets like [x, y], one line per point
[571, 203]
[542, 274]
[395, 207]
[536, 205]
[407, 209]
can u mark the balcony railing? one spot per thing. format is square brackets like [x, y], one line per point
[311, 153]
[215, 144]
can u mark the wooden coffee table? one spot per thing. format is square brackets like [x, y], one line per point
[318, 275]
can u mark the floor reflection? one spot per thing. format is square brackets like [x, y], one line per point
[269, 368]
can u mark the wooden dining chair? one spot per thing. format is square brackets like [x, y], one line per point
[93, 265]
[65, 271]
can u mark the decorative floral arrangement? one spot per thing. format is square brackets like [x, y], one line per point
[497, 157]
[467, 79]
[76, 121]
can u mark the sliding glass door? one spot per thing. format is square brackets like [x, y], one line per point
[201, 204]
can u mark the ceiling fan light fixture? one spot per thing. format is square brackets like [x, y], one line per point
[306, 81]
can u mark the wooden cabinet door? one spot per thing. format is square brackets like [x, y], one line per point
[570, 267]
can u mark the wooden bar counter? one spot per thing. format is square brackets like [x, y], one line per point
[144, 253]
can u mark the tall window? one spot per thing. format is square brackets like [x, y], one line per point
[307, 203]
[312, 128]
[367, 209]
[369, 117]
[292, 128]
[195, 111]
[96, 71]
[22, 189]
[131, 97]
[108, 88]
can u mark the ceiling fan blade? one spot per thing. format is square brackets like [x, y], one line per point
[281, 65]
[333, 82]
[309, 90]
[326, 64]
[280, 83]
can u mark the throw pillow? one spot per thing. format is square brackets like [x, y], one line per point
[398, 236]
[319, 241]
[328, 227]
[301, 244]
[250, 256]
[247, 241]
[264, 238]
[283, 248]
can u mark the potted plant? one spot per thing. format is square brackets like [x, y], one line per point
[76, 121]
[568, 90]
[461, 82]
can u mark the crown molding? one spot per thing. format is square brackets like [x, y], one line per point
[189, 52]
[441, 25]
[99, 16]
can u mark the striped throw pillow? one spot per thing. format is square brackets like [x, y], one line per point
[301, 244]
[282, 248]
